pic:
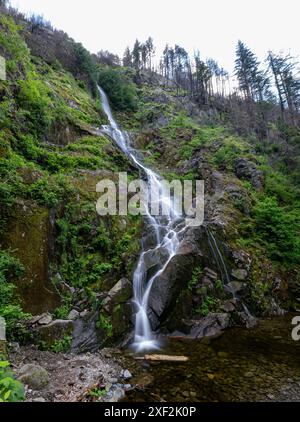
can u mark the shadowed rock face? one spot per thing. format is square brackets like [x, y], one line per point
[169, 284]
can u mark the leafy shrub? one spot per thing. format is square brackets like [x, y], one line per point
[34, 98]
[208, 304]
[61, 346]
[85, 66]
[11, 390]
[10, 308]
[121, 92]
[104, 323]
[278, 229]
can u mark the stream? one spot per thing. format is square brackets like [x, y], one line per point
[259, 364]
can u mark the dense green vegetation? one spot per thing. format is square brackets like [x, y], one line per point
[10, 309]
[47, 157]
[10, 390]
[122, 92]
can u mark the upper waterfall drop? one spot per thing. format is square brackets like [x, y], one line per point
[165, 229]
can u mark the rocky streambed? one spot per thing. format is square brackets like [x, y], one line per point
[257, 364]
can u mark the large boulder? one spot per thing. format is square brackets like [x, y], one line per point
[210, 326]
[117, 309]
[168, 285]
[86, 337]
[35, 376]
[120, 293]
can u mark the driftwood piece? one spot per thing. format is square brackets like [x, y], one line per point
[163, 358]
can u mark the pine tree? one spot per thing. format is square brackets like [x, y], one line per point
[136, 54]
[150, 51]
[127, 58]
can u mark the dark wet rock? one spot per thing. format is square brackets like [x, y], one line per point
[245, 169]
[169, 284]
[120, 293]
[275, 309]
[237, 288]
[155, 259]
[35, 376]
[211, 325]
[246, 319]
[86, 338]
[228, 306]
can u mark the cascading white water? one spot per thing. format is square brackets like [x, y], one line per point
[165, 234]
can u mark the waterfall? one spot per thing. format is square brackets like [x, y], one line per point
[218, 256]
[166, 229]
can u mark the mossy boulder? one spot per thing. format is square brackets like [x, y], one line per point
[35, 376]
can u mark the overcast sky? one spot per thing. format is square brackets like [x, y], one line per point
[212, 26]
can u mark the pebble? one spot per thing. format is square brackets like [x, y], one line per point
[127, 374]
[127, 386]
[39, 400]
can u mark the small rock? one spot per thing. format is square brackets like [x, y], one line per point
[39, 400]
[35, 376]
[73, 315]
[271, 396]
[45, 319]
[127, 386]
[84, 313]
[228, 306]
[127, 375]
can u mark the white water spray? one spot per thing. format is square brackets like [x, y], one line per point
[166, 230]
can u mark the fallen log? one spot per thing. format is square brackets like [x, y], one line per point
[163, 358]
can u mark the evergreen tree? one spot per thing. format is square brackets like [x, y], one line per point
[136, 55]
[127, 58]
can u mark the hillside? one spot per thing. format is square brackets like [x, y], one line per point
[65, 272]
